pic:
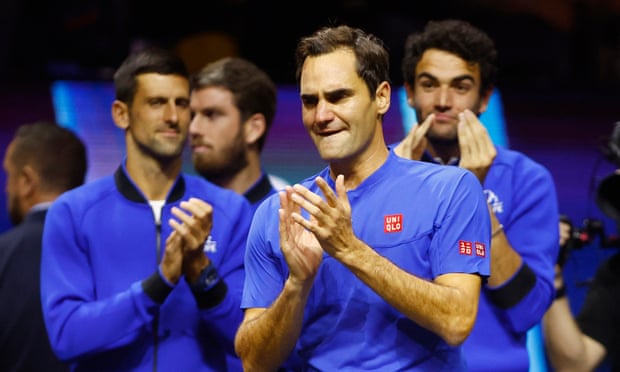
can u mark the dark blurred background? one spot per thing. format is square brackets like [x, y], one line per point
[545, 46]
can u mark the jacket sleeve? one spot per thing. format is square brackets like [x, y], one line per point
[77, 322]
[532, 230]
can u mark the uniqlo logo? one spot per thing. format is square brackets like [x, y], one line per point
[465, 247]
[480, 249]
[393, 223]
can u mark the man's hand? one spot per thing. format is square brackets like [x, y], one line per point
[300, 248]
[476, 147]
[414, 144]
[330, 220]
[172, 262]
[196, 221]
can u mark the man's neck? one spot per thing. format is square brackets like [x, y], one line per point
[241, 181]
[357, 171]
[153, 178]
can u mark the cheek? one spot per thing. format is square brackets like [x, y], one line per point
[307, 117]
[469, 102]
[422, 101]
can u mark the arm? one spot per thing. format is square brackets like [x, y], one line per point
[446, 306]
[267, 336]
[83, 316]
[525, 250]
[567, 347]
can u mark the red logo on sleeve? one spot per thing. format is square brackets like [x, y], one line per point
[393, 223]
[465, 247]
[481, 250]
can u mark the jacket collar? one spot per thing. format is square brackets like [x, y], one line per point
[129, 190]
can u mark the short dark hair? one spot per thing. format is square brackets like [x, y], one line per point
[152, 59]
[56, 153]
[372, 58]
[457, 37]
[252, 89]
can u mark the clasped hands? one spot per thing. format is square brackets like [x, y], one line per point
[184, 246]
[327, 229]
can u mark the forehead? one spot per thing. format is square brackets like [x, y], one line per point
[159, 85]
[446, 66]
[212, 95]
[328, 72]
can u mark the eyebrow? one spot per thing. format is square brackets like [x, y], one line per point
[332, 93]
[455, 79]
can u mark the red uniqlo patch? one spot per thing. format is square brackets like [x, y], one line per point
[465, 247]
[480, 249]
[393, 223]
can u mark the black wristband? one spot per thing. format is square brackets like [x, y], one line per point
[515, 290]
[209, 290]
[156, 287]
[560, 292]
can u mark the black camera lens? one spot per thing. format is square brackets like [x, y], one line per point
[608, 196]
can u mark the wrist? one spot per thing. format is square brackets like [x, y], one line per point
[207, 279]
[497, 230]
[194, 265]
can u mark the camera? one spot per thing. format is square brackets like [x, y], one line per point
[579, 237]
[608, 201]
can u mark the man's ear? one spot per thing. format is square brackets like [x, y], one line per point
[254, 128]
[409, 92]
[120, 114]
[484, 100]
[383, 96]
[28, 181]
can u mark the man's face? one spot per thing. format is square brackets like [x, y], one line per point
[216, 133]
[11, 189]
[445, 85]
[159, 116]
[337, 110]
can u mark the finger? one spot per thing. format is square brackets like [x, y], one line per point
[426, 124]
[181, 215]
[173, 236]
[180, 228]
[342, 194]
[197, 208]
[192, 235]
[283, 228]
[465, 137]
[306, 196]
[330, 197]
[480, 133]
[285, 200]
